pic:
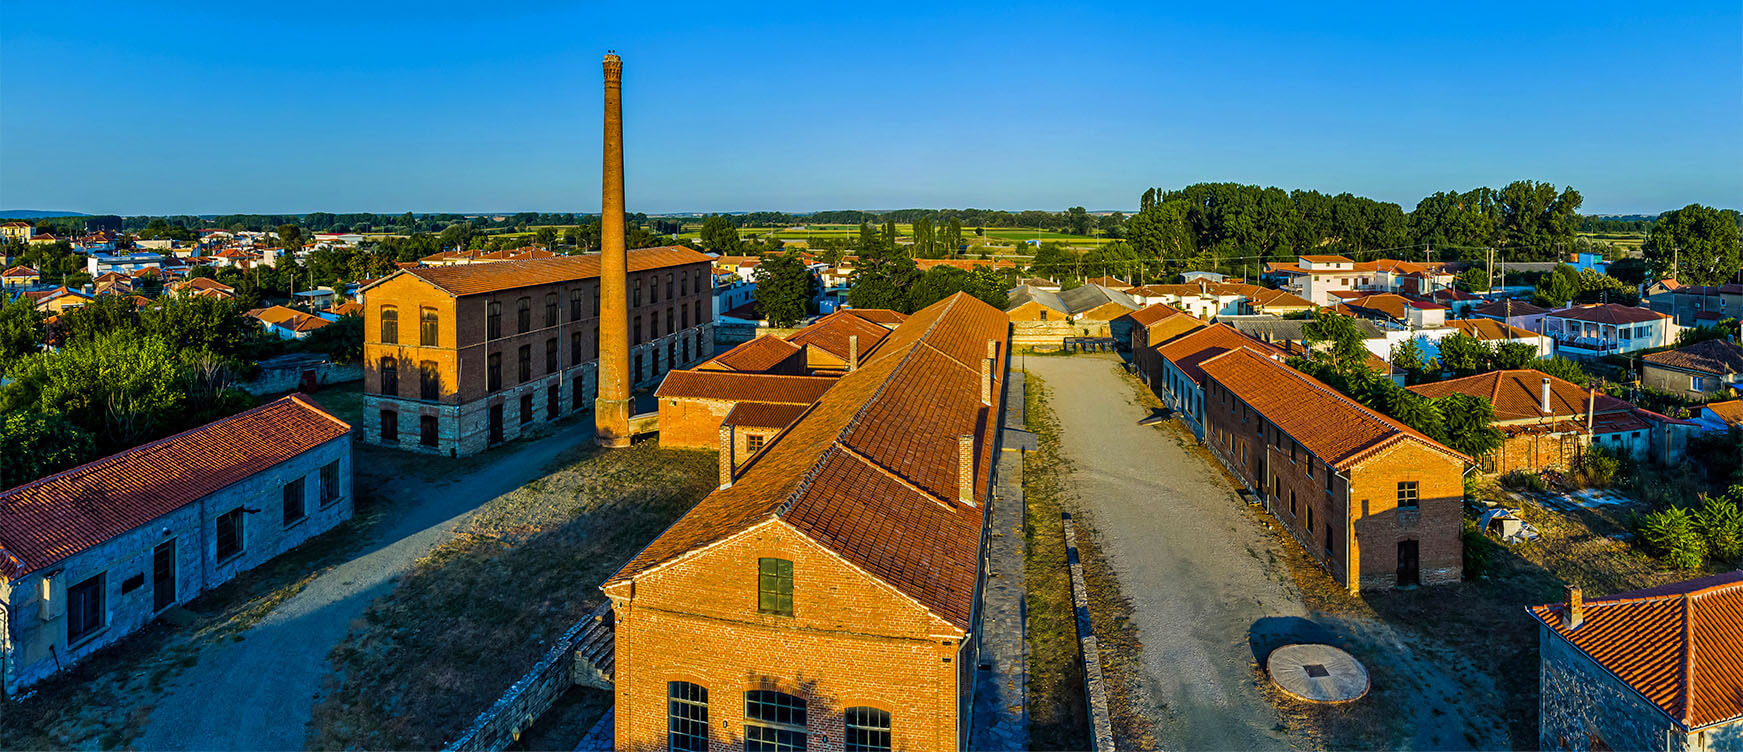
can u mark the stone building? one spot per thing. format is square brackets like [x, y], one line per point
[828, 594]
[90, 555]
[1655, 669]
[1548, 422]
[1696, 372]
[1044, 319]
[694, 403]
[1371, 500]
[459, 358]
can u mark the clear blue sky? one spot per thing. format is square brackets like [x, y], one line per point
[203, 107]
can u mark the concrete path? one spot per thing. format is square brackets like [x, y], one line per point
[1198, 571]
[1001, 703]
[259, 693]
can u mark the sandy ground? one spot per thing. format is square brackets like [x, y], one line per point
[258, 693]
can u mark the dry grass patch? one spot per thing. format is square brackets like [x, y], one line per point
[1057, 715]
[476, 613]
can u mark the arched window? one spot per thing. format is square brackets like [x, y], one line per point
[575, 304]
[389, 325]
[868, 730]
[550, 309]
[773, 722]
[686, 717]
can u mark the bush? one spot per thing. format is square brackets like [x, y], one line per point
[1721, 525]
[1671, 533]
[1598, 467]
[1520, 480]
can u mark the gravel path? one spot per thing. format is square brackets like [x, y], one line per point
[1198, 571]
[258, 694]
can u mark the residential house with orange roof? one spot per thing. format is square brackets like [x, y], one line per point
[113, 283]
[20, 276]
[1209, 299]
[1513, 313]
[1591, 331]
[461, 357]
[92, 554]
[1179, 380]
[1317, 278]
[830, 588]
[202, 285]
[1654, 669]
[287, 323]
[1548, 422]
[1696, 372]
[1720, 416]
[1394, 311]
[56, 301]
[1376, 503]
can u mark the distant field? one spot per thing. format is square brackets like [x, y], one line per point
[1630, 241]
[995, 236]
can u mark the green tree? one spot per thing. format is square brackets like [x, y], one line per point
[341, 340]
[35, 443]
[1470, 424]
[1417, 367]
[1078, 221]
[1671, 533]
[1514, 355]
[546, 236]
[290, 237]
[1559, 287]
[719, 235]
[1472, 280]
[784, 288]
[1464, 355]
[1416, 411]
[1698, 244]
[1333, 341]
[121, 387]
[21, 332]
[1563, 369]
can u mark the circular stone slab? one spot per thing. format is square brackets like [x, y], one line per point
[1317, 673]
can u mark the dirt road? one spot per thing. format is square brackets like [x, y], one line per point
[258, 693]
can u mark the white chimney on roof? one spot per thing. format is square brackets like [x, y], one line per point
[1544, 405]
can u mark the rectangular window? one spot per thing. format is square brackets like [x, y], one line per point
[575, 306]
[1697, 383]
[671, 322]
[428, 430]
[551, 355]
[389, 426]
[668, 285]
[389, 371]
[132, 583]
[775, 586]
[684, 285]
[389, 325]
[868, 730]
[295, 508]
[429, 382]
[427, 331]
[493, 372]
[636, 299]
[698, 313]
[1309, 468]
[229, 540]
[636, 331]
[596, 301]
[654, 324]
[577, 392]
[329, 483]
[523, 315]
[1407, 497]
[753, 442]
[526, 409]
[773, 722]
[550, 309]
[525, 361]
[686, 717]
[493, 321]
[654, 289]
[683, 317]
[1328, 477]
[85, 608]
[574, 348]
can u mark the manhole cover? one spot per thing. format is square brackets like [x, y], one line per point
[1317, 673]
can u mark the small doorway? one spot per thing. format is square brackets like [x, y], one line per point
[1409, 567]
[496, 423]
[163, 575]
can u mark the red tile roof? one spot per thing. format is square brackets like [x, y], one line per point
[1188, 351]
[830, 335]
[743, 387]
[1490, 329]
[1518, 395]
[1152, 314]
[1731, 412]
[763, 415]
[1715, 356]
[882, 316]
[48, 520]
[473, 279]
[757, 355]
[1609, 313]
[1680, 646]
[870, 471]
[1334, 427]
[19, 271]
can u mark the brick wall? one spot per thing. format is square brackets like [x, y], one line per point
[852, 641]
[39, 628]
[1436, 524]
[692, 423]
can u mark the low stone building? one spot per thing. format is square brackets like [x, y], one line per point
[1656, 669]
[1696, 372]
[90, 555]
[1374, 502]
[1044, 320]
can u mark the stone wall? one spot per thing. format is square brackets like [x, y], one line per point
[125, 562]
[277, 378]
[535, 692]
[1050, 335]
[1583, 707]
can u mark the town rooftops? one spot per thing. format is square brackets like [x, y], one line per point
[755, 356]
[1023, 295]
[870, 473]
[1518, 395]
[1270, 328]
[1092, 296]
[1152, 314]
[1714, 356]
[1680, 646]
[880, 316]
[1729, 412]
[19, 272]
[1502, 309]
[728, 386]
[48, 520]
[475, 279]
[1490, 329]
[289, 318]
[763, 415]
[830, 334]
[1394, 306]
[1188, 351]
[1609, 313]
[1334, 427]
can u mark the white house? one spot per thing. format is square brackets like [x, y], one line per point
[1593, 331]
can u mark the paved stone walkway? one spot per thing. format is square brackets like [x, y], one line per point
[1001, 709]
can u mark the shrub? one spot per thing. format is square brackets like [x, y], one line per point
[1671, 534]
[1721, 525]
[1598, 467]
[1520, 480]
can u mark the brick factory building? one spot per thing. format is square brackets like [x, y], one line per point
[91, 555]
[828, 593]
[459, 358]
[1371, 500]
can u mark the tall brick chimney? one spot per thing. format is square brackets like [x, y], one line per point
[611, 408]
[728, 463]
[965, 468]
[1576, 607]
